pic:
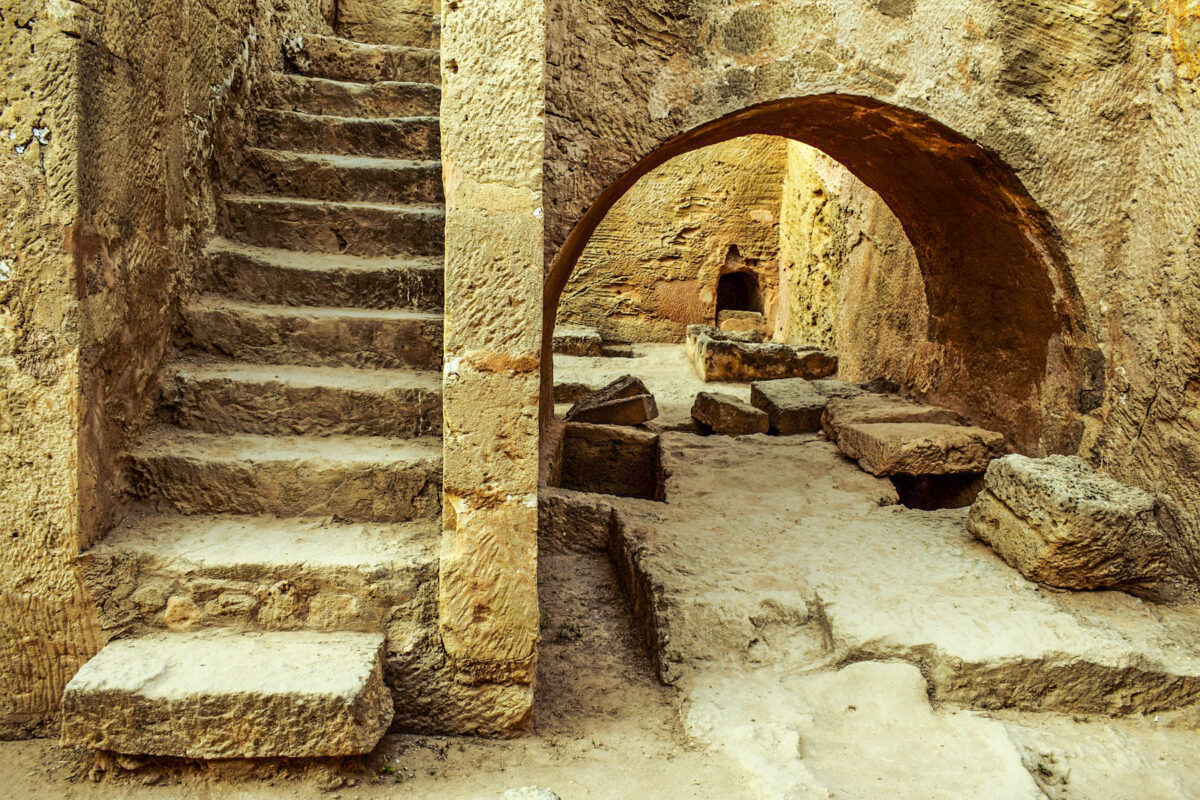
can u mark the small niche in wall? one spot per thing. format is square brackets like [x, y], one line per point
[738, 291]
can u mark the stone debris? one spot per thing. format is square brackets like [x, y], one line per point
[224, 694]
[793, 405]
[727, 415]
[1060, 522]
[742, 357]
[872, 408]
[578, 340]
[919, 448]
[625, 401]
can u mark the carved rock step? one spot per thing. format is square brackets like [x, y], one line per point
[217, 694]
[386, 137]
[359, 478]
[296, 278]
[342, 59]
[315, 337]
[348, 99]
[358, 229]
[322, 176]
[230, 397]
[263, 572]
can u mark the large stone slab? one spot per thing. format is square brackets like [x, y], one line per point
[1062, 523]
[727, 415]
[871, 408]
[625, 401]
[231, 695]
[793, 405]
[920, 448]
[578, 340]
[720, 356]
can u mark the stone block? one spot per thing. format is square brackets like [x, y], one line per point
[578, 340]
[920, 448]
[231, 695]
[611, 459]
[738, 321]
[872, 408]
[1060, 522]
[727, 415]
[793, 405]
[721, 356]
[625, 401]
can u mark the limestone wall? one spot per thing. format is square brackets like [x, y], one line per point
[107, 137]
[1057, 136]
[651, 268]
[403, 22]
[850, 277]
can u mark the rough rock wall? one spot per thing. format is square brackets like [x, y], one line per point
[850, 276]
[403, 22]
[651, 268]
[1091, 107]
[108, 133]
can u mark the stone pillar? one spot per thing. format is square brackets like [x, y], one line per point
[493, 133]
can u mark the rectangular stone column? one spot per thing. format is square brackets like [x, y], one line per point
[493, 133]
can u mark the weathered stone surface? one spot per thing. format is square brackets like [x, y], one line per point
[611, 459]
[872, 408]
[322, 176]
[832, 387]
[734, 321]
[231, 695]
[1062, 523]
[793, 405]
[722, 357]
[354, 100]
[625, 401]
[417, 138]
[333, 57]
[578, 340]
[727, 415]
[573, 522]
[919, 448]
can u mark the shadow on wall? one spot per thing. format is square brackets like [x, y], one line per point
[1007, 345]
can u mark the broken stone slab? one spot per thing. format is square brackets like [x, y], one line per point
[832, 387]
[793, 405]
[721, 356]
[625, 401]
[223, 694]
[578, 340]
[872, 408]
[727, 415]
[1060, 522]
[919, 448]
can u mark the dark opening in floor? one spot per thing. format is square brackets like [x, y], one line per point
[931, 492]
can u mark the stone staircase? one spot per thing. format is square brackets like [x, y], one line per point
[279, 563]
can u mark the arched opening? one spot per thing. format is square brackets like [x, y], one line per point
[738, 291]
[1006, 342]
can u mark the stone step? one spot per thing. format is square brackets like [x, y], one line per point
[295, 278]
[355, 478]
[288, 92]
[362, 22]
[334, 57]
[265, 573]
[223, 694]
[322, 176]
[324, 226]
[313, 336]
[284, 399]
[386, 137]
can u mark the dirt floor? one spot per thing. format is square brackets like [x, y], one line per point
[604, 728]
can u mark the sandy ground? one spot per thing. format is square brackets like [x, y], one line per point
[604, 728]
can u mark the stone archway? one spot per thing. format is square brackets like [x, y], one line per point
[1008, 346]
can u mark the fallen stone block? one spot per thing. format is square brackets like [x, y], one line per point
[873, 408]
[611, 459]
[721, 356]
[223, 694]
[727, 415]
[737, 321]
[578, 340]
[625, 401]
[1060, 522]
[919, 448]
[793, 405]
